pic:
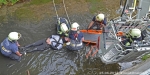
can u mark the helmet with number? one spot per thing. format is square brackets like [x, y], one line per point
[148, 29]
[64, 27]
[135, 33]
[100, 17]
[14, 36]
[75, 26]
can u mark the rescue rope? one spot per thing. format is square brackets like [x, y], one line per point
[55, 9]
[66, 11]
[64, 8]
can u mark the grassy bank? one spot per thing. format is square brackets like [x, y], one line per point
[32, 8]
[96, 6]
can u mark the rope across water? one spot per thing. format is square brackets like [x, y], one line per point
[64, 8]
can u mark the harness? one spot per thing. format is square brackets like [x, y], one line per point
[76, 36]
[57, 43]
[76, 41]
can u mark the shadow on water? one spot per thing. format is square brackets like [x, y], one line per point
[48, 62]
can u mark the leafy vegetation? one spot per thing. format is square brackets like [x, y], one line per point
[146, 57]
[8, 2]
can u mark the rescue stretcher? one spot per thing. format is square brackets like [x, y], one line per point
[92, 38]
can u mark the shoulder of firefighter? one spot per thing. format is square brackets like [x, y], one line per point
[56, 42]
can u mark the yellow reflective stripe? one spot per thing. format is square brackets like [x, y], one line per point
[4, 49]
[76, 45]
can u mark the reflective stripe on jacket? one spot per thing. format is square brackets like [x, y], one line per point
[75, 45]
[4, 49]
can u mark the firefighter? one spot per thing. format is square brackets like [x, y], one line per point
[75, 38]
[98, 22]
[63, 27]
[133, 35]
[9, 46]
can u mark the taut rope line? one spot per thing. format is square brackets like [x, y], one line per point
[64, 8]
[55, 9]
[66, 11]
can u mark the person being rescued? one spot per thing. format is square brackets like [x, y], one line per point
[133, 35]
[55, 42]
[9, 46]
[98, 22]
[74, 42]
[63, 27]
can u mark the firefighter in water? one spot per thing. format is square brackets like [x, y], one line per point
[63, 27]
[133, 35]
[9, 46]
[75, 38]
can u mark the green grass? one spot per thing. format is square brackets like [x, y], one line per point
[146, 57]
[96, 5]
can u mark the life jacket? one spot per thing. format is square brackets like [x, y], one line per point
[75, 44]
[56, 42]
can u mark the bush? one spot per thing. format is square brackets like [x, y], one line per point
[13, 1]
[6, 2]
[145, 57]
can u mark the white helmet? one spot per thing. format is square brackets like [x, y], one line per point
[64, 27]
[14, 36]
[135, 33]
[75, 26]
[100, 17]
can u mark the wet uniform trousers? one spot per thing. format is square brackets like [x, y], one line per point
[39, 45]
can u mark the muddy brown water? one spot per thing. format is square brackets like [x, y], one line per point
[49, 62]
